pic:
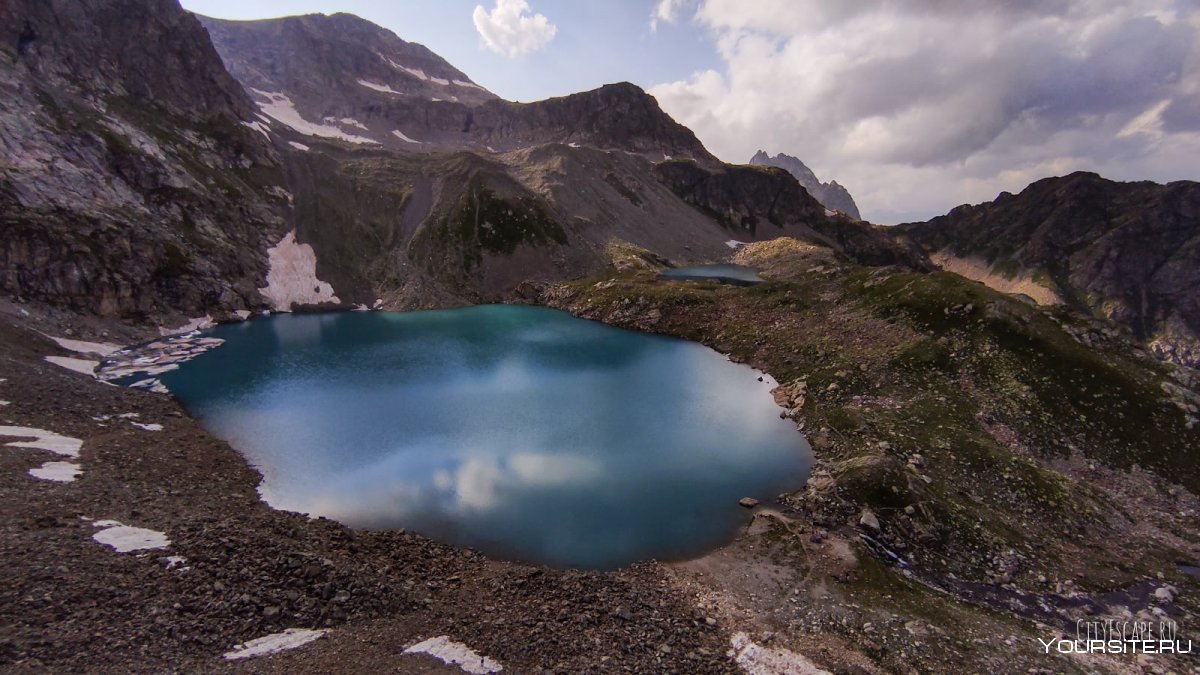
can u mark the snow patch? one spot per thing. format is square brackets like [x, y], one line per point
[174, 561]
[400, 134]
[299, 146]
[43, 440]
[438, 80]
[347, 121]
[77, 365]
[199, 323]
[415, 72]
[466, 84]
[148, 427]
[292, 276]
[152, 385]
[735, 244]
[280, 108]
[123, 538]
[59, 472]
[101, 348]
[259, 127]
[2, 403]
[273, 643]
[758, 660]
[572, 145]
[455, 653]
[380, 87]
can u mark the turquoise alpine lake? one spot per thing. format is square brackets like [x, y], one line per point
[522, 432]
[739, 275]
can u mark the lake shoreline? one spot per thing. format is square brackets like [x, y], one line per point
[237, 581]
[576, 428]
[735, 596]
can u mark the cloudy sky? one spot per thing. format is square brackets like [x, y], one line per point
[915, 105]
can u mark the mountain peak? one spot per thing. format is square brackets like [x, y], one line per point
[832, 195]
[342, 77]
[1126, 251]
[318, 55]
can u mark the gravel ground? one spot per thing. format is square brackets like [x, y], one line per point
[71, 604]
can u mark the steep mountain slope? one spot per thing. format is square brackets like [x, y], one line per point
[423, 202]
[450, 228]
[343, 77]
[150, 185]
[766, 202]
[131, 183]
[1129, 252]
[318, 55]
[832, 195]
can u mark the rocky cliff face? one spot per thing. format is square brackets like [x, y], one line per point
[342, 77]
[131, 183]
[338, 55]
[757, 203]
[421, 201]
[153, 184]
[451, 228]
[831, 195]
[1129, 252]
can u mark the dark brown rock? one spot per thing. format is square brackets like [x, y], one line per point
[133, 186]
[1127, 251]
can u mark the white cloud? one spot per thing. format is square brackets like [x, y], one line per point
[510, 29]
[919, 105]
[666, 11]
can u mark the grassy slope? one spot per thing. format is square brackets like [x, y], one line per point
[996, 449]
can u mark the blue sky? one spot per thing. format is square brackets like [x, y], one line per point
[595, 43]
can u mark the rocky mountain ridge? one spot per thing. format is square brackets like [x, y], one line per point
[336, 53]
[132, 184]
[491, 194]
[1127, 252]
[342, 77]
[832, 195]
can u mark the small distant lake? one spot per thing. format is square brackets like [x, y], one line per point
[727, 274]
[520, 431]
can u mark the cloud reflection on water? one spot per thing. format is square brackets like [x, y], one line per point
[517, 430]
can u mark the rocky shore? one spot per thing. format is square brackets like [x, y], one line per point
[903, 553]
[235, 570]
